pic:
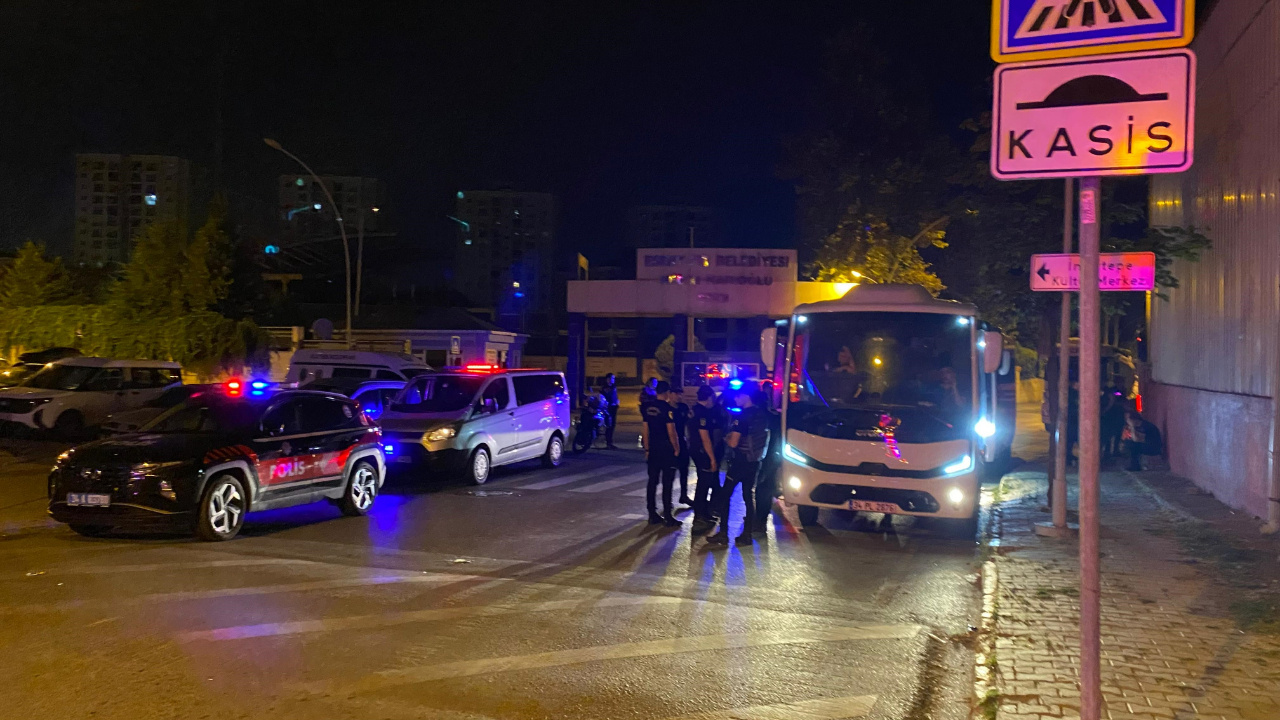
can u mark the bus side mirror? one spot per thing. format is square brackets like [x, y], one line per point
[769, 346]
[992, 351]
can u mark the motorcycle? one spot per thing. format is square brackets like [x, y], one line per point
[592, 420]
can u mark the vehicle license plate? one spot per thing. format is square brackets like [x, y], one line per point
[407, 460]
[868, 506]
[89, 499]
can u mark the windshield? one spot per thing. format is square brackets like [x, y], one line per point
[61, 377]
[855, 374]
[171, 397]
[437, 394]
[200, 416]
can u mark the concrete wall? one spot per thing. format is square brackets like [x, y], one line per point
[1217, 440]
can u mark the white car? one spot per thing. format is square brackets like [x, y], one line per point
[308, 365]
[76, 393]
[476, 419]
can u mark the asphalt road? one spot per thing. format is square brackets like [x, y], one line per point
[543, 594]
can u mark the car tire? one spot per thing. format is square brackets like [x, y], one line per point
[808, 514]
[479, 466]
[69, 425]
[220, 514]
[91, 531]
[555, 452]
[362, 489]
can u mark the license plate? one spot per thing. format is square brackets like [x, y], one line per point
[89, 499]
[868, 506]
[404, 459]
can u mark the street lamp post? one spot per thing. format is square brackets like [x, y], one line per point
[337, 211]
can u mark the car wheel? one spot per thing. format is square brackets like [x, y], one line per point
[479, 467]
[808, 514]
[362, 489]
[69, 424]
[555, 452]
[89, 530]
[221, 511]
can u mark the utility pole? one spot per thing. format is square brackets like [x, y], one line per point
[1058, 479]
[1090, 387]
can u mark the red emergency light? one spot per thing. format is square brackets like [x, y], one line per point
[234, 387]
[481, 368]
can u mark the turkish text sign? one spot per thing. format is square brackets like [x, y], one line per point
[1117, 115]
[1116, 271]
[1043, 29]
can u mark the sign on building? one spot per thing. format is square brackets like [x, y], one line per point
[1044, 29]
[1113, 115]
[716, 266]
[1116, 271]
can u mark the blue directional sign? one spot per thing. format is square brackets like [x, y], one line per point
[1044, 29]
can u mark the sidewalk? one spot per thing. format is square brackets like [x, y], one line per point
[1190, 607]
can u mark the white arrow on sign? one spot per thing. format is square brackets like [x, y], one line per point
[1116, 271]
[1116, 115]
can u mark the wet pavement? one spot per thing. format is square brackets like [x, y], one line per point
[543, 594]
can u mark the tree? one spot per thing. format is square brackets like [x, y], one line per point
[863, 248]
[665, 355]
[170, 276]
[35, 280]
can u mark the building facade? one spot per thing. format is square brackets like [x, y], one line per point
[506, 259]
[118, 196]
[1215, 365]
[306, 213]
[672, 226]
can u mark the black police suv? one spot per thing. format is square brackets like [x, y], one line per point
[201, 465]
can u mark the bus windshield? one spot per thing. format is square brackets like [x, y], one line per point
[855, 371]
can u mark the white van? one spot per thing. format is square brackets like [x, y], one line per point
[72, 394]
[307, 365]
[474, 419]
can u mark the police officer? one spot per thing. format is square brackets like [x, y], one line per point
[749, 438]
[706, 447]
[682, 414]
[767, 486]
[609, 393]
[661, 450]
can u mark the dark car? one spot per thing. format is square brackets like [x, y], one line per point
[201, 465]
[129, 421]
[373, 395]
[29, 363]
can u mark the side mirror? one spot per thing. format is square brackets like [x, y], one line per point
[769, 346]
[992, 350]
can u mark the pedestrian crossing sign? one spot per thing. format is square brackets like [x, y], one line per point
[1045, 29]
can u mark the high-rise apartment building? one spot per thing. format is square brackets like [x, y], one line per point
[305, 210]
[118, 196]
[506, 256]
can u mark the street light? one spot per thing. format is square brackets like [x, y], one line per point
[346, 249]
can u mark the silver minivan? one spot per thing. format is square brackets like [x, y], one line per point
[474, 419]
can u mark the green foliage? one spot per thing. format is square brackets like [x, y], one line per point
[863, 248]
[170, 276]
[665, 355]
[33, 280]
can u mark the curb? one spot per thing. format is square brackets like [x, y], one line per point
[985, 694]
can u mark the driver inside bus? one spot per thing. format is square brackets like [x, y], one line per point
[845, 376]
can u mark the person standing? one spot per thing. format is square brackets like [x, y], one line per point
[706, 446]
[609, 393]
[648, 393]
[682, 414]
[661, 450]
[767, 486]
[749, 439]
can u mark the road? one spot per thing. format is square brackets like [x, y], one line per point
[543, 594]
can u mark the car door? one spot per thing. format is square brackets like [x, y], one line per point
[101, 395]
[280, 474]
[142, 385]
[500, 423]
[535, 411]
[331, 426]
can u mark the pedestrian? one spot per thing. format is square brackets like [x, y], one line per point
[648, 393]
[661, 450]
[609, 394]
[1111, 422]
[767, 487]
[682, 414]
[1141, 437]
[706, 447]
[1073, 420]
[749, 438]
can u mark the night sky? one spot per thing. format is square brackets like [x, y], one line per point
[605, 104]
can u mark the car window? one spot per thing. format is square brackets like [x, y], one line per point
[389, 375]
[171, 397]
[498, 392]
[371, 402]
[318, 414]
[438, 393]
[106, 379]
[282, 420]
[536, 388]
[146, 378]
[412, 372]
[186, 419]
[350, 372]
[61, 377]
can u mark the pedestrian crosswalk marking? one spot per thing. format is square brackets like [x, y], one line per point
[557, 658]
[610, 484]
[836, 708]
[1059, 17]
[566, 479]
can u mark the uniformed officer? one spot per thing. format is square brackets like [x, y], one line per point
[749, 438]
[661, 449]
[682, 415]
[767, 487]
[706, 447]
[609, 393]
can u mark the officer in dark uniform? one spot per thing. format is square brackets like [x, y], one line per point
[706, 447]
[661, 449]
[749, 438]
[682, 414]
[767, 487]
[609, 393]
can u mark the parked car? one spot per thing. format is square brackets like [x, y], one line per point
[308, 365]
[127, 421]
[203, 464]
[372, 395]
[73, 394]
[476, 418]
[30, 363]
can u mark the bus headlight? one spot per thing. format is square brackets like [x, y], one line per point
[955, 495]
[985, 428]
[794, 455]
[964, 464]
[794, 483]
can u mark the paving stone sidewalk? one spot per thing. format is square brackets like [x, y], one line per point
[1172, 614]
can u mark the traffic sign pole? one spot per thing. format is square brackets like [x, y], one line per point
[1058, 493]
[1090, 441]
